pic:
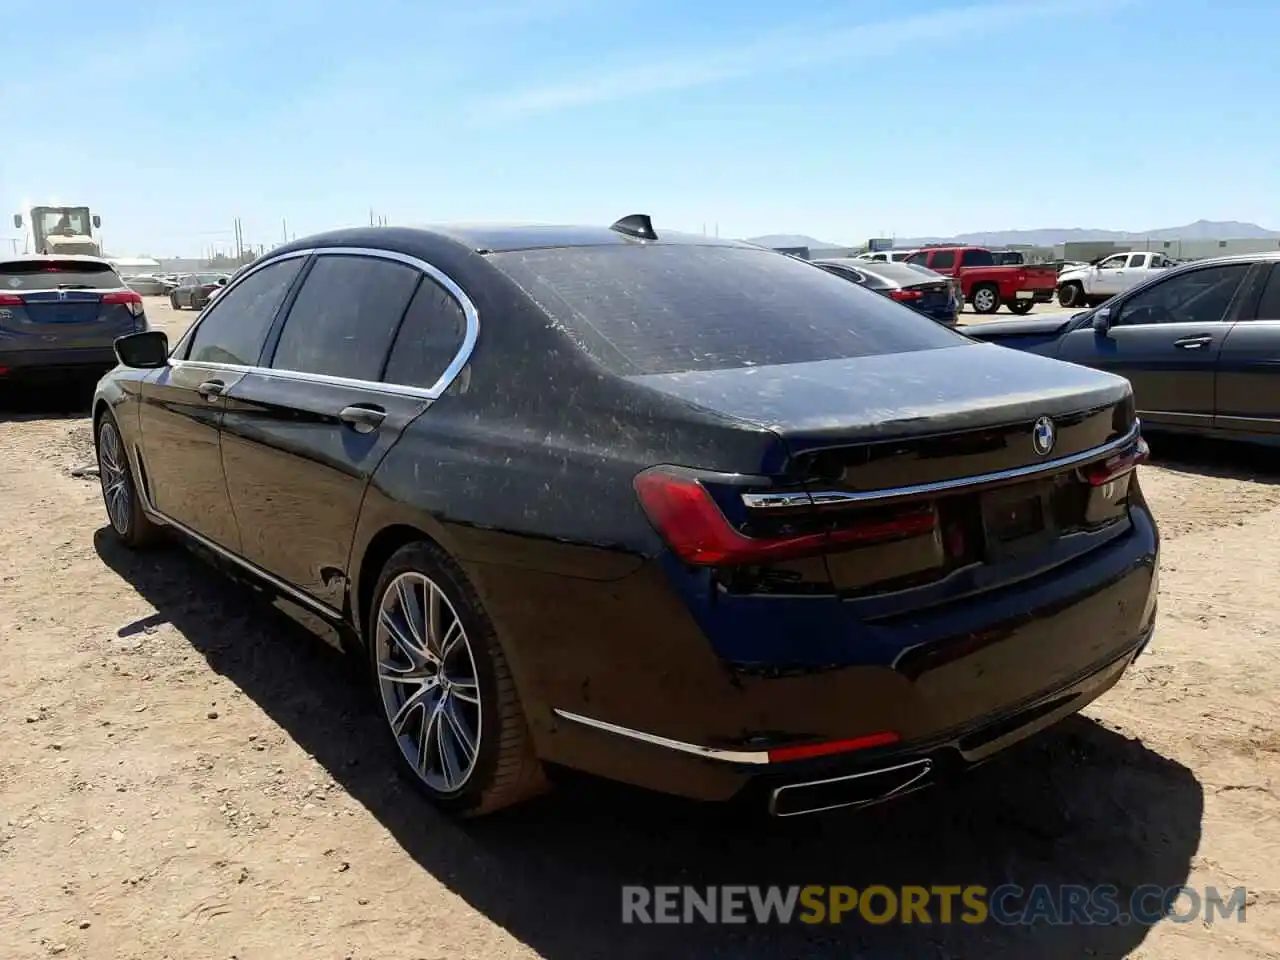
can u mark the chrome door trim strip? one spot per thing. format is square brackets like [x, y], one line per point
[773, 501]
[460, 359]
[711, 753]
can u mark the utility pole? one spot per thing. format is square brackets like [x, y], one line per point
[284, 229]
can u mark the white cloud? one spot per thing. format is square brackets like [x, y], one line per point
[787, 50]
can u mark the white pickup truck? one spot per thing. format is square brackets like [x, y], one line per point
[1092, 284]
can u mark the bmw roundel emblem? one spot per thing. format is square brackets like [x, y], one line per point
[1043, 436]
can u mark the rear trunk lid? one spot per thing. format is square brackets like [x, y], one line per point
[987, 443]
[60, 304]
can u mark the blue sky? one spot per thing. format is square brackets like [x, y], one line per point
[841, 119]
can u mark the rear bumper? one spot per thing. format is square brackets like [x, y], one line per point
[56, 361]
[621, 681]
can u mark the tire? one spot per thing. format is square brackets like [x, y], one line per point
[1021, 307]
[125, 515]
[500, 769]
[986, 298]
[1071, 294]
[173, 301]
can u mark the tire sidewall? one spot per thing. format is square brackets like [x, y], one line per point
[425, 559]
[990, 292]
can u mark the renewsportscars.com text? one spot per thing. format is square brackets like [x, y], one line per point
[1008, 905]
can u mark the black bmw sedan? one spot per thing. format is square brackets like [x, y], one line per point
[673, 510]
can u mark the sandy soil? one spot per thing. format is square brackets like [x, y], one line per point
[185, 774]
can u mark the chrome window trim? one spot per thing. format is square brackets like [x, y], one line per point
[773, 501]
[711, 753]
[460, 359]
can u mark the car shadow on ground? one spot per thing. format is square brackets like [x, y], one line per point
[1227, 459]
[1081, 804]
[60, 401]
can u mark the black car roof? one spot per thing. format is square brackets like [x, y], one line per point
[487, 238]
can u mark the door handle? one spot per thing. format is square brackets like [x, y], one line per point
[362, 419]
[1192, 343]
[211, 389]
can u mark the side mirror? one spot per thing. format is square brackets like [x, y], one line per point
[1102, 320]
[17, 220]
[148, 350]
[97, 221]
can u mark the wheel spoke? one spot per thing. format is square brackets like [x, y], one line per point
[465, 690]
[419, 699]
[449, 642]
[449, 767]
[430, 737]
[403, 639]
[393, 673]
[460, 731]
[435, 600]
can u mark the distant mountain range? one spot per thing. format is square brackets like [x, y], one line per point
[1048, 237]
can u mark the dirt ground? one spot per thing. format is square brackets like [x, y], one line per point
[186, 774]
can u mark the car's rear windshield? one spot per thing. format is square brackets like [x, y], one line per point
[675, 308]
[52, 274]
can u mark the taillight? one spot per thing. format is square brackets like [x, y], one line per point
[905, 295]
[11, 300]
[1113, 468]
[126, 298]
[686, 515]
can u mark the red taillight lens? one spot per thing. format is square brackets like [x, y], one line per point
[905, 295]
[1104, 471]
[11, 300]
[692, 524]
[810, 750]
[127, 298]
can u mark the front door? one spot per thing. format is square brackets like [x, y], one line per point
[1165, 340]
[1110, 276]
[182, 405]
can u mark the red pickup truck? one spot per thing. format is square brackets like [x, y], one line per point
[985, 284]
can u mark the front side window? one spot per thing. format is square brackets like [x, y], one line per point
[236, 326]
[1200, 296]
[1114, 263]
[344, 317]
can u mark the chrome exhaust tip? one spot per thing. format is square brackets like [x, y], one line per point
[855, 790]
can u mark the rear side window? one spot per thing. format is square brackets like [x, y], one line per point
[1269, 305]
[943, 260]
[674, 308]
[55, 274]
[342, 321]
[974, 258]
[236, 327]
[429, 338]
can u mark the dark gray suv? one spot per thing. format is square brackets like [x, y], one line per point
[60, 315]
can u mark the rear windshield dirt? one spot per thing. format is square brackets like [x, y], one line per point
[55, 274]
[677, 307]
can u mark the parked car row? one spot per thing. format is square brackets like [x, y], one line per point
[670, 509]
[986, 280]
[1200, 343]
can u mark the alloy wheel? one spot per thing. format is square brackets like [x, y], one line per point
[428, 681]
[113, 474]
[983, 300]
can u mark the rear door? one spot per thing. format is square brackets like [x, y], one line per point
[1165, 339]
[182, 404]
[54, 304]
[301, 438]
[1248, 381]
